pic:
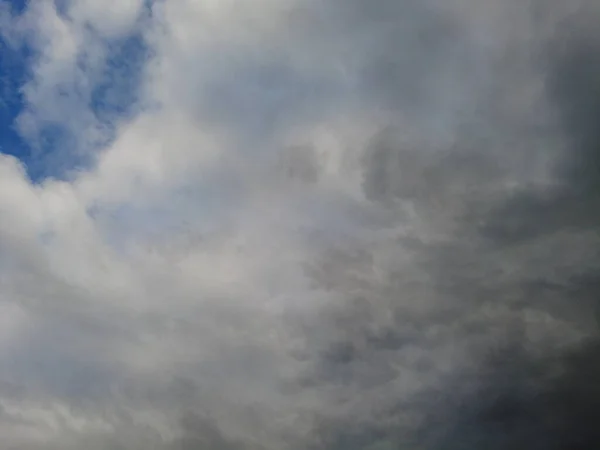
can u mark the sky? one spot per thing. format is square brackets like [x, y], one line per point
[299, 224]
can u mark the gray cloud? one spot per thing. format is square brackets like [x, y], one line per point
[502, 279]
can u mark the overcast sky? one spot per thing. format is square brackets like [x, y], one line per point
[299, 224]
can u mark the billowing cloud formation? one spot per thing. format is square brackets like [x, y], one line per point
[330, 224]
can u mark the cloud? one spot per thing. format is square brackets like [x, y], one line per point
[285, 224]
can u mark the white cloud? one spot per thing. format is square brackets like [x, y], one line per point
[153, 152]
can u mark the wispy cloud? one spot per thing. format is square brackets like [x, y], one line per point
[293, 224]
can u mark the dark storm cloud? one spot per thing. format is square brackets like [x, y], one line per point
[507, 245]
[573, 73]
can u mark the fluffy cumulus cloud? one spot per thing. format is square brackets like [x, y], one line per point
[302, 224]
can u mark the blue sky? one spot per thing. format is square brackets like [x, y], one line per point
[14, 65]
[53, 150]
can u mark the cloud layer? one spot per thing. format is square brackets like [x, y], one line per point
[289, 224]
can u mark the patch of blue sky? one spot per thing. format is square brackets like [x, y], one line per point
[113, 99]
[17, 6]
[56, 150]
[42, 160]
[117, 93]
[14, 72]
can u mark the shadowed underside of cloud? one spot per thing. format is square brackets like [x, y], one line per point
[304, 225]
